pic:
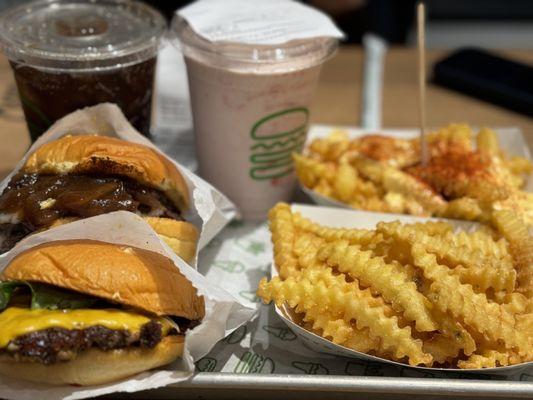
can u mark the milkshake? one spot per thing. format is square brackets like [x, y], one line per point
[250, 106]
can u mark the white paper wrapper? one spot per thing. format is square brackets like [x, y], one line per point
[211, 211]
[511, 141]
[257, 22]
[340, 218]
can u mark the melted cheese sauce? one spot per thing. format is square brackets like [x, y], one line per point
[15, 321]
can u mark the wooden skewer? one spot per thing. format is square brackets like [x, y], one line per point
[421, 19]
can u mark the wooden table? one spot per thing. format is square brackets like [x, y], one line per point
[337, 100]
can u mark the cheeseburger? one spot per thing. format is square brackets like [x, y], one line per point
[88, 313]
[83, 176]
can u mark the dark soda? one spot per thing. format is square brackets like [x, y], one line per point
[47, 96]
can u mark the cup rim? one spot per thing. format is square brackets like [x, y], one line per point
[52, 60]
[235, 55]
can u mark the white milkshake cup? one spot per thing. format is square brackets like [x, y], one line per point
[250, 106]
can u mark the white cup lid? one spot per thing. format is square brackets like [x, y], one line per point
[282, 57]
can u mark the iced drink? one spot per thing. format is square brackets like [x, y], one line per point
[129, 87]
[250, 114]
[82, 54]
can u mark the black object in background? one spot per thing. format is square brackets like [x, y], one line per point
[488, 77]
[495, 10]
[390, 19]
[166, 7]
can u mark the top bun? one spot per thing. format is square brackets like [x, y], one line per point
[81, 154]
[121, 274]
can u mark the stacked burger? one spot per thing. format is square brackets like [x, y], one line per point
[87, 313]
[86, 175]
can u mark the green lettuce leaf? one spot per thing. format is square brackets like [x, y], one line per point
[46, 296]
[6, 291]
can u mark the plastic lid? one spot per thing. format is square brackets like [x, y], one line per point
[295, 54]
[80, 34]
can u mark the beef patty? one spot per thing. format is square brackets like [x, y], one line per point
[40, 200]
[49, 346]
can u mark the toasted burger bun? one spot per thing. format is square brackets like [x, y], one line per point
[180, 236]
[92, 154]
[82, 154]
[96, 367]
[138, 278]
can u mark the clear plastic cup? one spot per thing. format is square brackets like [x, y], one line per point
[69, 54]
[250, 106]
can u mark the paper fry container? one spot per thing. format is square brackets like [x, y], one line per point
[210, 211]
[340, 218]
[511, 141]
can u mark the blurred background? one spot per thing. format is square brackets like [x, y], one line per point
[450, 23]
[495, 24]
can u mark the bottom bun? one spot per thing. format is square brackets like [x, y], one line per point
[96, 367]
[180, 236]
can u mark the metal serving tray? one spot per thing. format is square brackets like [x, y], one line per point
[257, 386]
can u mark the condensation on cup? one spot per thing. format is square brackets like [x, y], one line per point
[250, 106]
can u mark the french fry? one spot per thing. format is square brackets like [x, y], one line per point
[332, 147]
[345, 182]
[380, 173]
[521, 245]
[283, 237]
[480, 243]
[353, 306]
[451, 339]
[458, 134]
[475, 258]
[371, 169]
[474, 309]
[401, 182]
[489, 359]
[487, 142]
[520, 165]
[465, 208]
[338, 282]
[306, 249]
[521, 204]
[388, 280]
[363, 237]
[309, 171]
[340, 332]
[484, 277]
[515, 303]
[333, 328]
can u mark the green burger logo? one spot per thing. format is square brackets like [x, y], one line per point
[275, 138]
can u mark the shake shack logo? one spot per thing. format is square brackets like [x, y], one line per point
[254, 363]
[275, 137]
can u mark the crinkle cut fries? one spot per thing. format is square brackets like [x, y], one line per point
[382, 173]
[417, 293]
